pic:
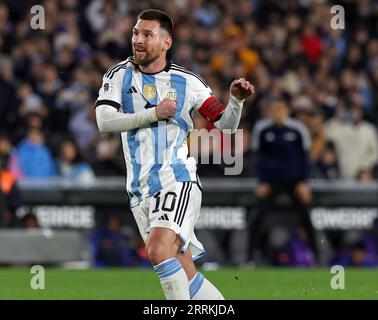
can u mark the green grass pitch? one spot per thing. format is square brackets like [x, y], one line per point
[143, 284]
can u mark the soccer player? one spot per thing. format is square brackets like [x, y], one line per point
[150, 100]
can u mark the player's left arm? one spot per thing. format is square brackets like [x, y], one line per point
[240, 90]
[227, 117]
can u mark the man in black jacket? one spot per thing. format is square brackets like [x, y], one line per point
[282, 146]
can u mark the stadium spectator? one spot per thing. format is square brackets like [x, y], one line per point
[282, 148]
[365, 175]
[311, 43]
[358, 252]
[7, 91]
[71, 165]
[36, 160]
[30, 120]
[326, 166]
[108, 160]
[82, 126]
[77, 94]
[355, 140]
[314, 120]
[111, 247]
[304, 111]
[9, 156]
[300, 252]
[29, 221]
[296, 252]
[30, 101]
[10, 198]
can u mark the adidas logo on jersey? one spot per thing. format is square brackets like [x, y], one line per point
[131, 90]
[164, 217]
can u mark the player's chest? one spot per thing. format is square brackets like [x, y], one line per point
[145, 91]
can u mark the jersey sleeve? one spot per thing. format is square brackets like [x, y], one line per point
[110, 92]
[200, 92]
[205, 102]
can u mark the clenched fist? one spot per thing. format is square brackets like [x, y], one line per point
[241, 89]
[166, 108]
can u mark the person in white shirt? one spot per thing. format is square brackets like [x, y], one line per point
[355, 140]
[150, 100]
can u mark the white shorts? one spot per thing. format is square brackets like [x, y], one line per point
[176, 207]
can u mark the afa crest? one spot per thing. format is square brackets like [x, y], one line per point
[170, 93]
[149, 91]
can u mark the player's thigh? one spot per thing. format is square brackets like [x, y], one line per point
[176, 208]
[162, 242]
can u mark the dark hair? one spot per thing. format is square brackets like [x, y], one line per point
[79, 156]
[164, 19]
[29, 217]
[330, 145]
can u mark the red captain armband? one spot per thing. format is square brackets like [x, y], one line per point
[211, 109]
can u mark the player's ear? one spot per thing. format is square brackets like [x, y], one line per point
[167, 42]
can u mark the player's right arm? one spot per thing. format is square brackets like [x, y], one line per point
[108, 104]
[109, 119]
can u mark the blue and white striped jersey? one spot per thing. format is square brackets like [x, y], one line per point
[156, 155]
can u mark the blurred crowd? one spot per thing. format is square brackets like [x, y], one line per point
[49, 79]
[328, 79]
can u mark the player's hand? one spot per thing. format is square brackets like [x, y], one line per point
[241, 89]
[166, 108]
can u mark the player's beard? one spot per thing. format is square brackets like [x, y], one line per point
[145, 58]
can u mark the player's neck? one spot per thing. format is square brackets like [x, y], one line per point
[154, 67]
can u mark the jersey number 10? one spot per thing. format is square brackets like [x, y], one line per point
[168, 202]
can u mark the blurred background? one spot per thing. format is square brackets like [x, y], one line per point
[309, 200]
